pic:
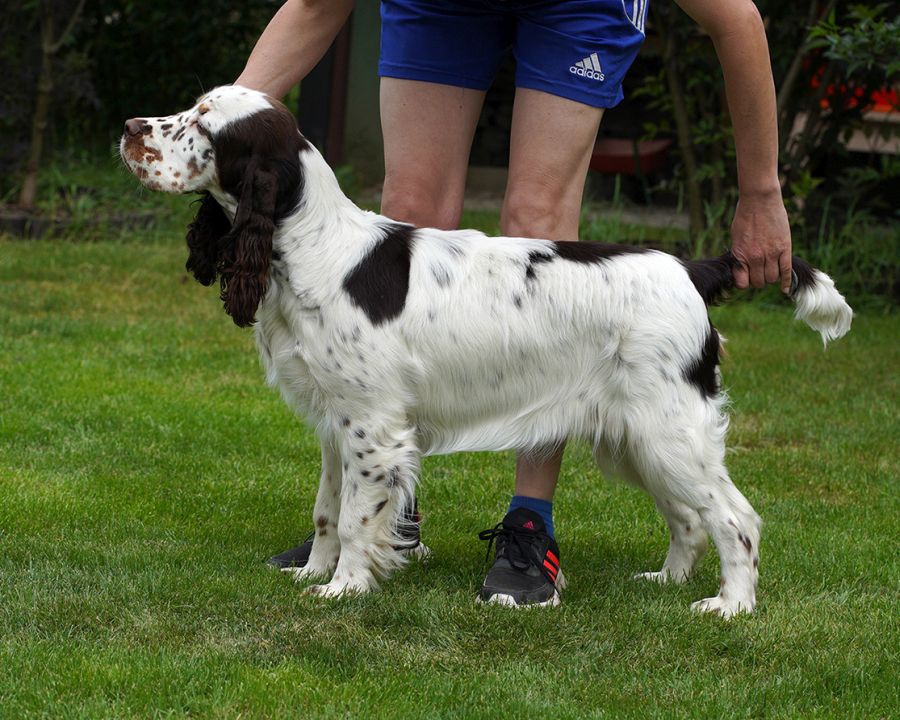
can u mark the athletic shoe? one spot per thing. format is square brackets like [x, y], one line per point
[526, 570]
[296, 557]
[413, 548]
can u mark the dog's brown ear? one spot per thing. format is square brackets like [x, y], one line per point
[244, 266]
[205, 237]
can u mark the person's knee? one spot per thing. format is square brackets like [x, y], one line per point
[419, 204]
[536, 211]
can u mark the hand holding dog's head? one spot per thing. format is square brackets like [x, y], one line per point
[242, 148]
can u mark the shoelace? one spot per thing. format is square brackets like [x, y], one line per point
[520, 560]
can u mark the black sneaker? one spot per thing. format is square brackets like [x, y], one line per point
[296, 557]
[526, 570]
[413, 548]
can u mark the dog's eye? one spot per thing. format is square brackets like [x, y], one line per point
[203, 108]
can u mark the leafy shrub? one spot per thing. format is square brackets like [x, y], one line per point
[827, 63]
[124, 58]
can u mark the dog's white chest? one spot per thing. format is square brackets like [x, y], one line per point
[286, 337]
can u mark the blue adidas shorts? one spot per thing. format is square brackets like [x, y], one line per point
[577, 49]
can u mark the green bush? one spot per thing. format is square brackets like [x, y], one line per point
[124, 58]
[827, 63]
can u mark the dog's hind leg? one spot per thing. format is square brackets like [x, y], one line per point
[687, 541]
[682, 460]
[735, 530]
[326, 546]
[380, 463]
[687, 538]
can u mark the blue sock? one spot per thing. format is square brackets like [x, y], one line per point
[544, 508]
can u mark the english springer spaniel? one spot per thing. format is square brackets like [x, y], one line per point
[397, 342]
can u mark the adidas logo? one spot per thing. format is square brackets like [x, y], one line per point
[589, 68]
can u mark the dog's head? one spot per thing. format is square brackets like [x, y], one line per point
[240, 146]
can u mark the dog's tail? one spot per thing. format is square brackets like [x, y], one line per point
[818, 302]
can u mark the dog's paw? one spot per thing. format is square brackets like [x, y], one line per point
[420, 552]
[327, 591]
[726, 607]
[663, 576]
[340, 588]
[659, 577]
[310, 572]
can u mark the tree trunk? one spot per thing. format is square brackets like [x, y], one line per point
[682, 127]
[785, 113]
[39, 119]
[799, 151]
[49, 48]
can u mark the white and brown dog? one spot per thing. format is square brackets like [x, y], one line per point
[397, 342]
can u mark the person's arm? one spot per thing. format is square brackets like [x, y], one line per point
[760, 233]
[293, 42]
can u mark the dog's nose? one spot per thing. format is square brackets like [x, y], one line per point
[136, 126]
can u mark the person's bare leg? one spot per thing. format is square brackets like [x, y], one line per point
[428, 130]
[550, 148]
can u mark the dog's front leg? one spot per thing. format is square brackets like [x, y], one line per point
[380, 466]
[326, 544]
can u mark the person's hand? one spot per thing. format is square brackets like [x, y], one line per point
[761, 242]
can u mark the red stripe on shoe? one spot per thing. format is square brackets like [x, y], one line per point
[552, 569]
[553, 558]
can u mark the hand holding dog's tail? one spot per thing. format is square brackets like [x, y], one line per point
[818, 302]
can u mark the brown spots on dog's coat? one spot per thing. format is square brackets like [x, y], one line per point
[193, 168]
[152, 155]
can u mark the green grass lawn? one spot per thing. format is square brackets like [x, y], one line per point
[146, 472]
